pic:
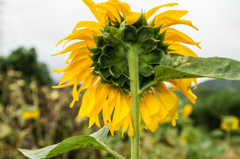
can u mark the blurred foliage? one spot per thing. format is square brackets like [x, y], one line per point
[25, 61]
[196, 137]
[213, 103]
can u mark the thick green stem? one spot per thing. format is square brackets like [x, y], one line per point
[134, 87]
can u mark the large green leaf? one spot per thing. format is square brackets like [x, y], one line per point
[175, 66]
[94, 141]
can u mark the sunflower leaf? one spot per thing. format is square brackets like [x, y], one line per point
[94, 141]
[175, 66]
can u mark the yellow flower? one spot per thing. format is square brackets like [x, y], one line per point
[187, 110]
[99, 61]
[229, 123]
[31, 114]
[184, 138]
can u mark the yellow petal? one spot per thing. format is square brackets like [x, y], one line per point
[178, 21]
[182, 50]
[88, 24]
[154, 125]
[130, 130]
[72, 47]
[167, 98]
[152, 103]
[112, 10]
[126, 123]
[170, 14]
[72, 104]
[183, 85]
[132, 17]
[153, 10]
[88, 103]
[99, 15]
[83, 34]
[187, 110]
[173, 35]
[123, 7]
[194, 80]
[121, 109]
[145, 113]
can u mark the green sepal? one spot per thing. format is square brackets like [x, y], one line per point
[95, 50]
[162, 35]
[153, 22]
[113, 41]
[103, 81]
[122, 25]
[109, 51]
[145, 81]
[145, 69]
[126, 87]
[155, 56]
[130, 34]
[104, 61]
[105, 73]
[156, 31]
[96, 69]
[119, 81]
[94, 58]
[144, 33]
[142, 21]
[163, 46]
[94, 64]
[111, 31]
[121, 17]
[149, 44]
[115, 71]
[126, 72]
[99, 41]
[105, 34]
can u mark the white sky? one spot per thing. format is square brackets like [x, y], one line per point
[42, 23]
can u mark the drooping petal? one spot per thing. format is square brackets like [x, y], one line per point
[111, 10]
[173, 35]
[100, 15]
[183, 85]
[132, 17]
[88, 24]
[168, 98]
[123, 7]
[145, 113]
[178, 21]
[152, 103]
[153, 10]
[168, 15]
[181, 49]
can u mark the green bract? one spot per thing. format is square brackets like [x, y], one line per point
[110, 56]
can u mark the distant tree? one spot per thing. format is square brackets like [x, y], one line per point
[26, 61]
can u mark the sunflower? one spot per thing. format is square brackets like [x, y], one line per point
[187, 110]
[229, 123]
[98, 60]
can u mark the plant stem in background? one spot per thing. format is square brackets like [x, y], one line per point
[227, 140]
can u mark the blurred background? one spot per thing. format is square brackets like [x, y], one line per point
[33, 115]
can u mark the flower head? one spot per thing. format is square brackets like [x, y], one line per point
[187, 110]
[31, 114]
[229, 123]
[99, 60]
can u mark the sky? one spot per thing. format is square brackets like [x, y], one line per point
[42, 23]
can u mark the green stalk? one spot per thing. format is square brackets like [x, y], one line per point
[134, 87]
[113, 153]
